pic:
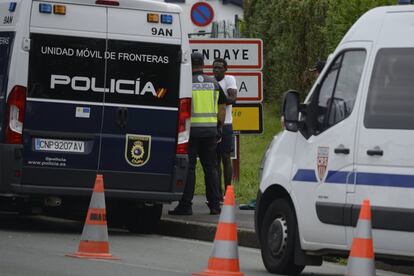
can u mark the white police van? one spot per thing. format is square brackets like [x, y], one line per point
[93, 86]
[351, 140]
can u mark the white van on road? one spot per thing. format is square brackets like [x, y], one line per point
[352, 139]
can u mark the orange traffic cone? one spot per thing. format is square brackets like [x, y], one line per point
[94, 241]
[361, 259]
[224, 259]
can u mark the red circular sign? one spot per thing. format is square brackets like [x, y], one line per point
[202, 14]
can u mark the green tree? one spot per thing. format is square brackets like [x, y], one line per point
[292, 37]
[297, 33]
[343, 13]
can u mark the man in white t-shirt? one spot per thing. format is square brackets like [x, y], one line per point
[226, 145]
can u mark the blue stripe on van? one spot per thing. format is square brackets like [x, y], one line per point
[338, 177]
[305, 176]
[362, 178]
[384, 179]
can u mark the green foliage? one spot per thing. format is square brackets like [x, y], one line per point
[297, 33]
[292, 38]
[343, 13]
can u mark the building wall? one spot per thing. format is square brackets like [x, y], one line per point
[224, 16]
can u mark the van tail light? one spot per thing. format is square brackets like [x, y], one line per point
[15, 110]
[184, 117]
[107, 2]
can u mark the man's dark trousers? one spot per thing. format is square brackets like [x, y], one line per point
[205, 149]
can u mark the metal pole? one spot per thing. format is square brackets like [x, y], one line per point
[236, 162]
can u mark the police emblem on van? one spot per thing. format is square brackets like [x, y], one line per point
[322, 161]
[137, 149]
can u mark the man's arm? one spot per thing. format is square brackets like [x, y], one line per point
[231, 89]
[221, 114]
[231, 96]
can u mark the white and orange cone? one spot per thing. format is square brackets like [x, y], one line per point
[224, 259]
[361, 261]
[94, 241]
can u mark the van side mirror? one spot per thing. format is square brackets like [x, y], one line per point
[291, 110]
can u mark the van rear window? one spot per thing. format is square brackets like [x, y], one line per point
[390, 101]
[6, 43]
[99, 70]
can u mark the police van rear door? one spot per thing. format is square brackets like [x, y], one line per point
[65, 95]
[140, 115]
[7, 34]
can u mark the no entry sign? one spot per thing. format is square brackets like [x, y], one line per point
[202, 14]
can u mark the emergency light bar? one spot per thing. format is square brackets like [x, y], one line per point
[107, 2]
[155, 18]
[48, 8]
[12, 6]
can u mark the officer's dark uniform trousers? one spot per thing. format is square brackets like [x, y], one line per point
[205, 148]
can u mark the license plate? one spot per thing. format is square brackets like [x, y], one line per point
[42, 144]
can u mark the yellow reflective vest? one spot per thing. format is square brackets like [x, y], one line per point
[204, 103]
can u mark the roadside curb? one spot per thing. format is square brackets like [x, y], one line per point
[202, 231]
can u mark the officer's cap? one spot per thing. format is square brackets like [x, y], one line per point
[197, 59]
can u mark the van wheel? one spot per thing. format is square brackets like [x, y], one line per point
[145, 219]
[277, 239]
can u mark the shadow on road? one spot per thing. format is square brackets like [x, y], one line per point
[37, 223]
[45, 224]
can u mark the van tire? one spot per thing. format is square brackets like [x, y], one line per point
[277, 238]
[145, 219]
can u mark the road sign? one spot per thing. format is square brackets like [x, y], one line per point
[249, 86]
[248, 118]
[240, 54]
[202, 14]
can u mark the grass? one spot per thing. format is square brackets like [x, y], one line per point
[252, 148]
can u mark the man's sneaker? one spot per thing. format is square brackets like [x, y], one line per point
[181, 210]
[215, 211]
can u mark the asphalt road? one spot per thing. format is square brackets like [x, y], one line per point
[38, 245]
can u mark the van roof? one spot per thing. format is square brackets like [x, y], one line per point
[132, 4]
[368, 27]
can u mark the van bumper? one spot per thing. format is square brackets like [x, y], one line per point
[16, 181]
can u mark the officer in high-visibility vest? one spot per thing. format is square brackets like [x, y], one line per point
[207, 118]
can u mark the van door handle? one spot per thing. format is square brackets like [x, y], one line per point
[122, 116]
[375, 151]
[341, 150]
